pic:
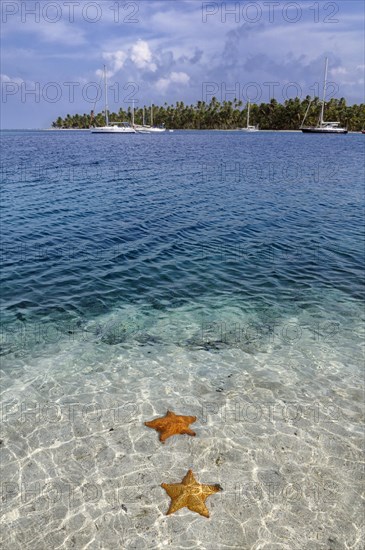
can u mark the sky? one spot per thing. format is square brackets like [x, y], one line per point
[53, 53]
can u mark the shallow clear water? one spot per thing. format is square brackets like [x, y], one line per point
[216, 274]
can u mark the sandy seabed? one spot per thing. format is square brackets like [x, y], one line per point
[279, 428]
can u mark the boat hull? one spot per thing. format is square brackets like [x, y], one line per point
[149, 129]
[324, 130]
[157, 130]
[112, 130]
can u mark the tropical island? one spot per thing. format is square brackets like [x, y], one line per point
[229, 115]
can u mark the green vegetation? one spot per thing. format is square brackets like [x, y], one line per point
[231, 115]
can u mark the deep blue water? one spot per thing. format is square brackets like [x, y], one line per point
[271, 222]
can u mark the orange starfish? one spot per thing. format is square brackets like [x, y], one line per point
[172, 424]
[189, 493]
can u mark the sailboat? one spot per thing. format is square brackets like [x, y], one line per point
[155, 129]
[149, 129]
[142, 129]
[323, 127]
[113, 127]
[248, 127]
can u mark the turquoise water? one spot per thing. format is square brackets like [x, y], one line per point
[217, 274]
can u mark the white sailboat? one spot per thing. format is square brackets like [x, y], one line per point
[113, 127]
[248, 127]
[155, 129]
[149, 129]
[323, 127]
[142, 129]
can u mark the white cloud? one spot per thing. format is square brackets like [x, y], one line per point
[139, 53]
[174, 78]
[5, 78]
[337, 71]
[141, 56]
[181, 78]
[162, 84]
[115, 62]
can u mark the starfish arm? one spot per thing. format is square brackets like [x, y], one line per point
[189, 478]
[188, 431]
[160, 426]
[211, 489]
[164, 435]
[155, 424]
[177, 503]
[196, 504]
[190, 419]
[173, 489]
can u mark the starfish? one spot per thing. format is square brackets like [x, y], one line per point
[172, 424]
[189, 493]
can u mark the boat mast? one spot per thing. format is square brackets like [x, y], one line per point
[151, 114]
[324, 91]
[106, 98]
[143, 117]
[132, 113]
[248, 113]
[306, 113]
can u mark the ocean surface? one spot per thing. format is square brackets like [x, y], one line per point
[215, 274]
